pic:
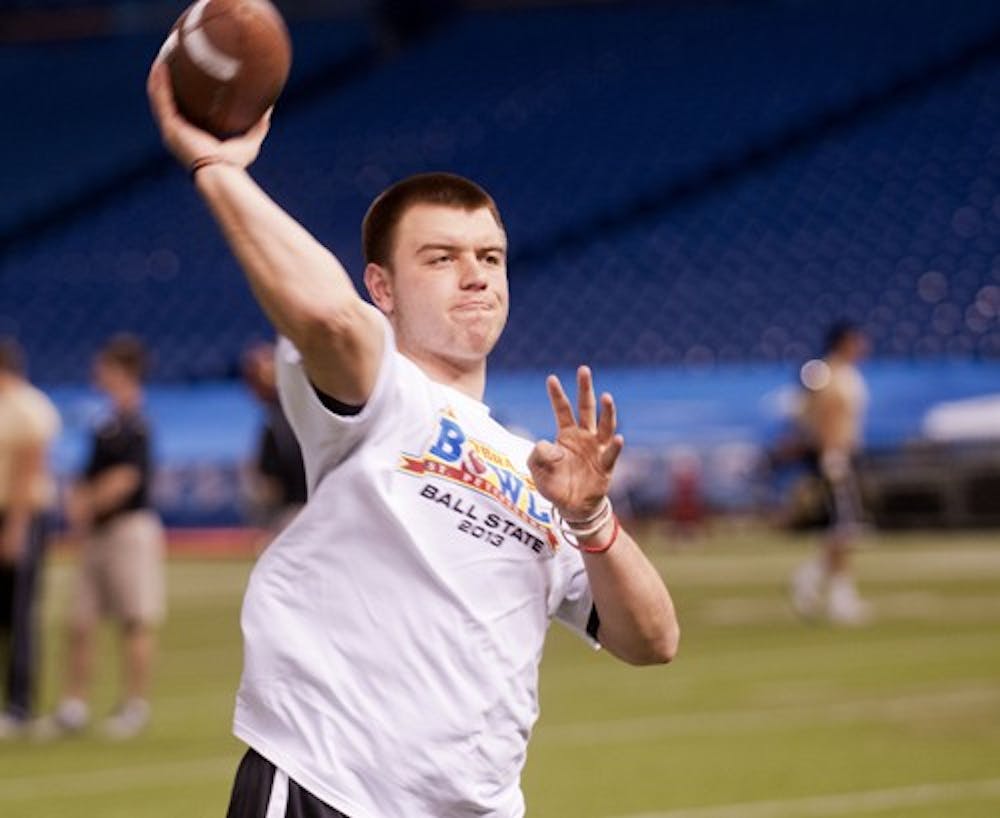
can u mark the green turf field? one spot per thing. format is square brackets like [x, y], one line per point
[760, 716]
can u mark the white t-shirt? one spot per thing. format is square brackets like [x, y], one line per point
[834, 410]
[27, 418]
[393, 632]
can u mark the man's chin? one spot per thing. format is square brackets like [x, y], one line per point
[478, 338]
[473, 351]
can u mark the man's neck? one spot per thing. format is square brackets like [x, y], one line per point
[468, 378]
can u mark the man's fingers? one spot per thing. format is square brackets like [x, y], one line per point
[561, 406]
[609, 456]
[545, 455]
[259, 130]
[184, 140]
[609, 420]
[586, 401]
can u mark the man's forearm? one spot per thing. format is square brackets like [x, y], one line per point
[111, 488]
[300, 285]
[638, 622]
[291, 274]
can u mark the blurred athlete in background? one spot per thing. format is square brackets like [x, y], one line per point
[832, 414]
[277, 474]
[28, 425]
[120, 573]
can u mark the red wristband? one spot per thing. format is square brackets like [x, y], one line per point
[600, 549]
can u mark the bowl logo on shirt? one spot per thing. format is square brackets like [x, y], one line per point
[477, 467]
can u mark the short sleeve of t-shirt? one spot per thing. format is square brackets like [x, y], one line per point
[327, 438]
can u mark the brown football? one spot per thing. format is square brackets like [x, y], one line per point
[228, 62]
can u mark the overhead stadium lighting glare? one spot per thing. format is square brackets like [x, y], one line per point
[815, 374]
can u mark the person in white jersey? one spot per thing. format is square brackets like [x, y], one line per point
[29, 424]
[834, 401]
[393, 631]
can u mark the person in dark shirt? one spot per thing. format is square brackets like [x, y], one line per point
[278, 480]
[121, 574]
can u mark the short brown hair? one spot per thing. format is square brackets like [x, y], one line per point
[378, 230]
[128, 353]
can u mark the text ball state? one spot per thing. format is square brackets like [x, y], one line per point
[228, 62]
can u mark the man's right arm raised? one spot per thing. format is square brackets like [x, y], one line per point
[299, 284]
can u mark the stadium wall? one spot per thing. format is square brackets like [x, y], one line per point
[721, 419]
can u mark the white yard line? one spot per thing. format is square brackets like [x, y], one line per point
[848, 803]
[909, 605]
[734, 660]
[822, 648]
[896, 708]
[115, 779]
[618, 730]
[884, 565]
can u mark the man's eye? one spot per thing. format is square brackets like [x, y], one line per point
[494, 259]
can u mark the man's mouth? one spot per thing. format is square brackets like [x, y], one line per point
[473, 306]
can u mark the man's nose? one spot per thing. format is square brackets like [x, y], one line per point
[473, 273]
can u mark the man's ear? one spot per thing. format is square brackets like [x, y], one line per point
[378, 280]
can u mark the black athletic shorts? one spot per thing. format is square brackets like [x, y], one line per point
[841, 498]
[261, 791]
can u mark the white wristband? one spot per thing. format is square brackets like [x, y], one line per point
[589, 526]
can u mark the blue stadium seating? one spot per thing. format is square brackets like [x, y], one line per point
[894, 225]
[692, 185]
[77, 114]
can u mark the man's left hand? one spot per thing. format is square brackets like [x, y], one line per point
[574, 472]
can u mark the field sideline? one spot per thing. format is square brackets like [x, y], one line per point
[760, 717]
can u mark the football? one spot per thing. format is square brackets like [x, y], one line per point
[228, 62]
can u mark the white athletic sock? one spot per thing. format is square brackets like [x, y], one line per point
[72, 714]
[807, 587]
[845, 605]
[129, 720]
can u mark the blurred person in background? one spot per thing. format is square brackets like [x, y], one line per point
[686, 511]
[278, 479]
[28, 425]
[120, 573]
[834, 401]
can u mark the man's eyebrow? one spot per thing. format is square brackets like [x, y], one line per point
[444, 245]
[437, 245]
